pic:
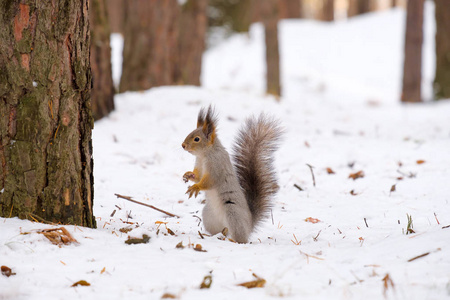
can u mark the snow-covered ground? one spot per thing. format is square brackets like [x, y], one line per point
[341, 110]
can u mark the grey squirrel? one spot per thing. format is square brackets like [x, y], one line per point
[238, 195]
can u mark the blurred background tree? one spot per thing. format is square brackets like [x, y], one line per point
[412, 67]
[441, 85]
[102, 93]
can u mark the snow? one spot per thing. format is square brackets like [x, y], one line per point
[341, 84]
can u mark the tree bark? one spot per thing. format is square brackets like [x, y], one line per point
[358, 7]
[46, 121]
[270, 17]
[103, 88]
[328, 10]
[441, 84]
[116, 15]
[150, 45]
[412, 67]
[290, 9]
[191, 42]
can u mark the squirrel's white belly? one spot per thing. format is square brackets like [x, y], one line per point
[214, 214]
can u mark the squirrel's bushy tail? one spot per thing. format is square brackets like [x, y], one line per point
[253, 158]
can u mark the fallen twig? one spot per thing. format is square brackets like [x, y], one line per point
[419, 256]
[148, 205]
[298, 187]
[312, 173]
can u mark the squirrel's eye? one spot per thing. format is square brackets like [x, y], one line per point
[196, 139]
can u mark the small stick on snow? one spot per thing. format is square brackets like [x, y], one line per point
[148, 205]
[312, 173]
[298, 187]
[419, 256]
[365, 221]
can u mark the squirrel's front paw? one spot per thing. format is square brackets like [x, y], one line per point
[193, 190]
[189, 176]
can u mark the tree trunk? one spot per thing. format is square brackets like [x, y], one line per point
[290, 9]
[394, 3]
[358, 7]
[46, 121]
[412, 68]
[328, 10]
[191, 43]
[442, 78]
[116, 15]
[150, 45]
[103, 88]
[270, 17]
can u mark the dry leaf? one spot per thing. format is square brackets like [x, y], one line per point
[330, 171]
[420, 161]
[103, 270]
[6, 271]
[82, 283]
[392, 188]
[144, 240]
[354, 176]
[168, 296]
[312, 220]
[58, 236]
[179, 245]
[125, 229]
[259, 282]
[387, 281]
[353, 193]
[206, 283]
[170, 231]
[199, 248]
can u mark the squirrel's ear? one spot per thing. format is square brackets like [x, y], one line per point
[209, 125]
[201, 117]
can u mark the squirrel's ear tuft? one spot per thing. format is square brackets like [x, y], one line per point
[210, 124]
[201, 117]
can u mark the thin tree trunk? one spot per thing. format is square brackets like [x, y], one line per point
[328, 10]
[412, 68]
[442, 78]
[103, 88]
[150, 46]
[270, 17]
[191, 42]
[46, 121]
[358, 7]
[116, 15]
[290, 9]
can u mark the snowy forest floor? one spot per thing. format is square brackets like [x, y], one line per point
[339, 238]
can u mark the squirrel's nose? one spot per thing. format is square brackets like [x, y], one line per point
[183, 145]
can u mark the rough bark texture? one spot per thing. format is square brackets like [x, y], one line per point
[103, 88]
[46, 121]
[412, 67]
[191, 42]
[442, 78]
[150, 46]
[328, 10]
[116, 15]
[270, 17]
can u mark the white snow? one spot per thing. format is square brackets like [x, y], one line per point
[341, 84]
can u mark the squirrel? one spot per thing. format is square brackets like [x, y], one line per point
[239, 195]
